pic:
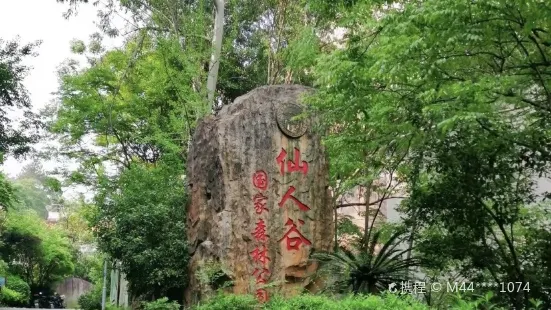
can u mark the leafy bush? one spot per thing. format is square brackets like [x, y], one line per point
[110, 306]
[224, 302]
[27, 238]
[161, 304]
[386, 301]
[91, 300]
[154, 257]
[3, 265]
[17, 285]
[313, 302]
[89, 267]
[11, 298]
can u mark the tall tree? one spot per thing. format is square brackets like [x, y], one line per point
[142, 225]
[36, 191]
[454, 96]
[217, 37]
[135, 124]
[14, 97]
[39, 254]
[15, 139]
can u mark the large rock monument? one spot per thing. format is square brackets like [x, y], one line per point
[258, 179]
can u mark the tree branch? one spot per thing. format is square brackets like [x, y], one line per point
[355, 204]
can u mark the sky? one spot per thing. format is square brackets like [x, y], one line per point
[43, 20]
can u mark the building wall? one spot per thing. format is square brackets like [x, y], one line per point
[388, 206]
[73, 288]
[357, 212]
[118, 293]
[123, 292]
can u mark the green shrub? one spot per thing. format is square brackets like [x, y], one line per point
[161, 304]
[227, 302]
[91, 300]
[322, 302]
[110, 306]
[313, 302]
[358, 302]
[17, 284]
[10, 298]
[3, 266]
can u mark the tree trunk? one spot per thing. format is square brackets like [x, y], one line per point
[336, 215]
[217, 44]
[410, 243]
[367, 198]
[104, 288]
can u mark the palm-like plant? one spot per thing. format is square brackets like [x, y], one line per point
[367, 270]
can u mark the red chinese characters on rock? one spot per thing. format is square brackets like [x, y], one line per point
[292, 166]
[260, 203]
[261, 275]
[262, 295]
[260, 180]
[259, 232]
[294, 237]
[260, 254]
[289, 195]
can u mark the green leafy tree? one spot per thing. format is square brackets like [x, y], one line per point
[17, 284]
[36, 191]
[89, 268]
[21, 243]
[75, 223]
[40, 255]
[15, 140]
[139, 119]
[142, 225]
[134, 111]
[133, 114]
[13, 95]
[264, 42]
[7, 197]
[453, 96]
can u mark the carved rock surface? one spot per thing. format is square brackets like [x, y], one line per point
[229, 156]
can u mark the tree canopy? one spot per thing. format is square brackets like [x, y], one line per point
[452, 95]
[14, 97]
[15, 137]
[448, 100]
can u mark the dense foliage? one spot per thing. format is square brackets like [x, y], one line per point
[452, 96]
[313, 302]
[143, 226]
[161, 304]
[91, 300]
[9, 297]
[448, 100]
[14, 97]
[134, 106]
[41, 255]
[15, 139]
[21, 287]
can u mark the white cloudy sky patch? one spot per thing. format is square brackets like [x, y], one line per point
[33, 20]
